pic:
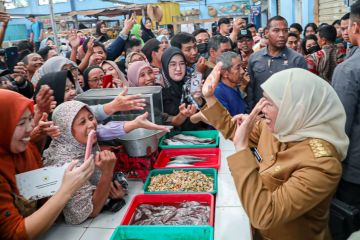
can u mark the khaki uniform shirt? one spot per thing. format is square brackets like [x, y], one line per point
[287, 194]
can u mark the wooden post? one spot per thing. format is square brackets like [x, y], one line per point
[316, 11]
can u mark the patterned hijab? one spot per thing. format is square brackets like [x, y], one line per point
[65, 148]
[308, 108]
[120, 74]
[54, 64]
[134, 72]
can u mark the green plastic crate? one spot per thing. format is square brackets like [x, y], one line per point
[200, 134]
[163, 233]
[207, 171]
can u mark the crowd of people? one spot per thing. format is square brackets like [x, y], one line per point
[290, 94]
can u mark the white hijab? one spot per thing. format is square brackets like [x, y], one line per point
[308, 108]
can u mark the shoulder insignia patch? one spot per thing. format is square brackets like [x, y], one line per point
[320, 148]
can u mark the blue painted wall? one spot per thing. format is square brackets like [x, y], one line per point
[307, 12]
[287, 9]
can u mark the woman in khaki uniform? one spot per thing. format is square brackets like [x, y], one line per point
[301, 141]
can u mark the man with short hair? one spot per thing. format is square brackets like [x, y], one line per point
[344, 25]
[293, 41]
[245, 43]
[252, 28]
[32, 62]
[187, 44]
[36, 32]
[153, 50]
[202, 38]
[272, 59]
[133, 45]
[224, 26]
[323, 62]
[217, 45]
[296, 28]
[346, 82]
[228, 92]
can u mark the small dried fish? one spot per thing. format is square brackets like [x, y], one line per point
[184, 181]
[185, 213]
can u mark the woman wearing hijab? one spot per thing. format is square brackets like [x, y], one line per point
[141, 74]
[146, 33]
[101, 33]
[174, 71]
[111, 68]
[164, 41]
[134, 57]
[93, 77]
[56, 64]
[20, 218]
[49, 41]
[286, 190]
[75, 120]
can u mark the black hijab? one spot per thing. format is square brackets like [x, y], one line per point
[57, 82]
[86, 76]
[173, 93]
[146, 34]
[165, 60]
[101, 37]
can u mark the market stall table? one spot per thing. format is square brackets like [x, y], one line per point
[231, 221]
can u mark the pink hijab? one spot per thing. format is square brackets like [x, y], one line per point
[134, 71]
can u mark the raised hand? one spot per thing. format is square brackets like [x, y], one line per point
[211, 82]
[4, 17]
[45, 100]
[46, 127]
[74, 40]
[20, 72]
[201, 65]
[128, 24]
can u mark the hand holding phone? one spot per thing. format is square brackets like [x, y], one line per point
[107, 81]
[89, 144]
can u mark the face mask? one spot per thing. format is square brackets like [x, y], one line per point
[314, 49]
[202, 47]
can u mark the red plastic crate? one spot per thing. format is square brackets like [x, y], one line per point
[213, 155]
[168, 198]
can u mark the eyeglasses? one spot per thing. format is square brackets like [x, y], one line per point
[98, 80]
[174, 65]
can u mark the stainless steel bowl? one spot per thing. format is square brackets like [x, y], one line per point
[141, 142]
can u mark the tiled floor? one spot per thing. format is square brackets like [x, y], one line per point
[231, 222]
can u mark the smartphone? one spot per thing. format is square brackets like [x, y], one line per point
[11, 57]
[196, 82]
[107, 81]
[89, 144]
